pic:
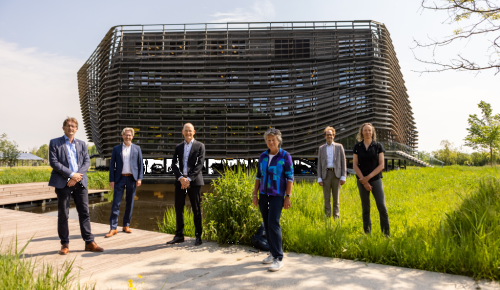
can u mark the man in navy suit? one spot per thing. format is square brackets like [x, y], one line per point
[187, 164]
[69, 159]
[125, 171]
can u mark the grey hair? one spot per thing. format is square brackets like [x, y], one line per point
[274, 132]
[128, 129]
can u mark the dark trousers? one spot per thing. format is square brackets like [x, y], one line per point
[81, 199]
[180, 199]
[378, 194]
[270, 208]
[124, 182]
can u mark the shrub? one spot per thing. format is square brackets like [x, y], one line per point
[229, 215]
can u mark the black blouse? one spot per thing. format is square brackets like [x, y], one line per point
[368, 159]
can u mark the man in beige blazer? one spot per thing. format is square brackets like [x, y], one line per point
[331, 171]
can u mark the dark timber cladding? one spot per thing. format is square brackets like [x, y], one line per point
[235, 80]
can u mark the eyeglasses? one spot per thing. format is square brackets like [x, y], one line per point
[72, 126]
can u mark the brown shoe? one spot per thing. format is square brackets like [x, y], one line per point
[127, 230]
[111, 233]
[93, 247]
[64, 250]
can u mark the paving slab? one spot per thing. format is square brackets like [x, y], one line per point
[209, 266]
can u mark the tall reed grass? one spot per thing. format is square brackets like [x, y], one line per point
[96, 179]
[442, 219]
[18, 272]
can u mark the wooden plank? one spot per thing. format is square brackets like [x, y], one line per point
[24, 184]
[26, 192]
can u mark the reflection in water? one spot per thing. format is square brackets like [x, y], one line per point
[150, 203]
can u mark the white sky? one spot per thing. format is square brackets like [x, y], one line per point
[44, 43]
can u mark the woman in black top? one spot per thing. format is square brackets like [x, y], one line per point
[368, 163]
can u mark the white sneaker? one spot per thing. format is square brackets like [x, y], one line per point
[268, 260]
[277, 264]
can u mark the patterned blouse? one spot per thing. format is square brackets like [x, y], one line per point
[273, 177]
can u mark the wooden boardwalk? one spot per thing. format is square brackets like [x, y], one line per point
[13, 194]
[209, 266]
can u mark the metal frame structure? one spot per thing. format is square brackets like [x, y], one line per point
[235, 80]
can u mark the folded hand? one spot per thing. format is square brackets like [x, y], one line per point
[184, 183]
[77, 177]
[71, 182]
[364, 179]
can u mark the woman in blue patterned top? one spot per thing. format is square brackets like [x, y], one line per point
[272, 191]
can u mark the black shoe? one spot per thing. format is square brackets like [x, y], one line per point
[198, 242]
[176, 240]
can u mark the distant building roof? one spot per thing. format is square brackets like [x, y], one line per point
[27, 156]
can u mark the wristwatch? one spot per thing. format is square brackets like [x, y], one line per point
[287, 195]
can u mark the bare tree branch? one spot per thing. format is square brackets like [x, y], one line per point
[488, 23]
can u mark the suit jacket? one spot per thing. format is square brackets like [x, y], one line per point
[339, 161]
[58, 158]
[116, 164]
[194, 163]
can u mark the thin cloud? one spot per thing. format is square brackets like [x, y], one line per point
[38, 91]
[259, 11]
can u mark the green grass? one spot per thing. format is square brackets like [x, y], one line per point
[442, 219]
[18, 272]
[96, 179]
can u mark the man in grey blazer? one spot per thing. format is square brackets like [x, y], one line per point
[69, 159]
[125, 171]
[331, 171]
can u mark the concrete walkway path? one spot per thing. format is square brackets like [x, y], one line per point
[209, 266]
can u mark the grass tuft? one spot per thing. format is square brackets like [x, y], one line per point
[18, 272]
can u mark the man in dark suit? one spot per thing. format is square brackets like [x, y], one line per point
[125, 171]
[187, 164]
[69, 159]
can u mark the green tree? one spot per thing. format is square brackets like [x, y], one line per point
[92, 149]
[9, 151]
[43, 152]
[484, 133]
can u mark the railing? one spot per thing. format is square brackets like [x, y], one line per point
[411, 151]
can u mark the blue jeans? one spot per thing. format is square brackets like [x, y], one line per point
[124, 182]
[270, 208]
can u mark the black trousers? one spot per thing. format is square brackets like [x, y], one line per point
[194, 193]
[81, 199]
[378, 194]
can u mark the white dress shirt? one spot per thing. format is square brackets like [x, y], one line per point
[126, 159]
[330, 157]
[330, 160]
[187, 150]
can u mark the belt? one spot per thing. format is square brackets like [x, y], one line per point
[331, 169]
[128, 174]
